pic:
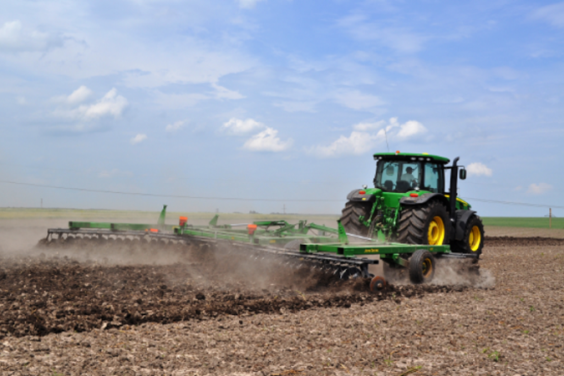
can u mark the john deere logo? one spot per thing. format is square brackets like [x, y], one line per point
[371, 250]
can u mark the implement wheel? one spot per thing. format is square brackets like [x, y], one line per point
[473, 239]
[350, 217]
[377, 283]
[421, 266]
[424, 224]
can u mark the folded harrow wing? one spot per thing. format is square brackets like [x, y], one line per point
[317, 246]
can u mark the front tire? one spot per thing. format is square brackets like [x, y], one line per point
[473, 240]
[424, 224]
[350, 218]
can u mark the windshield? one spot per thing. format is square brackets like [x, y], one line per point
[403, 176]
[398, 176]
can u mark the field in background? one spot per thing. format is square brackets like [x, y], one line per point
[151, 216]
[525, 222]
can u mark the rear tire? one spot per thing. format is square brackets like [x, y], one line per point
[350, 217]
[473, 239]
[421, 267]
[424, 224]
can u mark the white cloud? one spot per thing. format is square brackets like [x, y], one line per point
[357, 100]
[369, 126]
[267, 140]
[478, 169]
[224, 93]
[238, 126]
[110, 104]
[538, 189]
[553, 14]
[79, 95]
[21, 100]
[248, 4]
[367, 136]
[86, 117]
[357, 143]
[171, 128]
[410, 129]
[138, 138]
[13, 38]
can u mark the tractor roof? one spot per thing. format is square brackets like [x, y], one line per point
[409, 156]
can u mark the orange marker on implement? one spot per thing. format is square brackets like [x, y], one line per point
[251, 228]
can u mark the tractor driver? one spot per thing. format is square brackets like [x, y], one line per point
[408, 177]
[389, 182]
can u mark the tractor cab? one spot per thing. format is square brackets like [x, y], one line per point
[405, 172]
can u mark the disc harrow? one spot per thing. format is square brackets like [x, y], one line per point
[297, 245]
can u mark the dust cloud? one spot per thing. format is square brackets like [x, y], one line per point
[462, 273]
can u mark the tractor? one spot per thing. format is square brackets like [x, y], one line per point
[409, 204]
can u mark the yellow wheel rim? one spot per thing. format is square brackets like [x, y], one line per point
[427, 267]
[475, 238]
[436, 234]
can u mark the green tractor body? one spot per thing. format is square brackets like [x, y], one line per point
[409, 204]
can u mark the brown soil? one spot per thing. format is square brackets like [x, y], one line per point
[513, 241]
[46, 295]
[525, 232]
[222, 315]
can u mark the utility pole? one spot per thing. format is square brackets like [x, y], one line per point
[41, 203]
[284, 209]
[550, 218]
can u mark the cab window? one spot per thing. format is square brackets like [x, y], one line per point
[433, 178]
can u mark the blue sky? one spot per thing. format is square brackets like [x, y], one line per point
[276, 100]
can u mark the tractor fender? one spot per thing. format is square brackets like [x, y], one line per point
[355, 196]
[462, 218]
[410, 201]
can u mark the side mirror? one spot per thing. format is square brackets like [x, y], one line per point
[462, 174]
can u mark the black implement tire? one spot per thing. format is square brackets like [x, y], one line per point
[421, 266]
[422, 224]
[473, 239]
[350, 217]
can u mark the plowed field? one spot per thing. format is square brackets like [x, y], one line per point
[74, 312]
